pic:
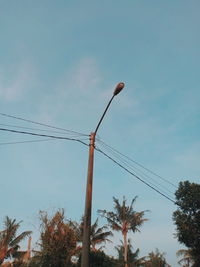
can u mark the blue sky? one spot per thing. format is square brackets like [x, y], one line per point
[60, 62]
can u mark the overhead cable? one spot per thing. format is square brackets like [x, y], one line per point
[139, 164]
[136, 176]
[43, 135]
[37, 129]
[40, 123]
[24, 142]
[141, 173]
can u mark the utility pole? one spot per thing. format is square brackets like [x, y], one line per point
[88, 205]
[27, 256]
[88, 198]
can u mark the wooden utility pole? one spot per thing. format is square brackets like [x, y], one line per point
[88, 205]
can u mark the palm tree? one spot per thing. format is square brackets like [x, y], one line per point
[98, 235]
[187, 259]
[9, 241]
[124, 219]
[132, 257]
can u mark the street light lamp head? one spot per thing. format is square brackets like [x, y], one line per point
[118, 88]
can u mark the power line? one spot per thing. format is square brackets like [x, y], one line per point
[136, 176]
[142, 174]
[149, 178]
[139, 164]
[78, 140]
[36, 129]
[24, 142]
[43, 135]
[39, 123]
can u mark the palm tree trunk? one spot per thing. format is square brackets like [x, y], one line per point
[125, 249]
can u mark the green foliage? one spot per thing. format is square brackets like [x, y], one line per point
[156, 259]
[124, 218]
[132, 257]
[187, 218]
[9, 241]
[186, 259]
[35, 261]
[19, 264]
[98, 235]
[99, 259]
[58, 242]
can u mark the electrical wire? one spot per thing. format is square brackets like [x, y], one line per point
[78, 140]
[139, 172]
[24, 142]
[139, 164]
[136, 176]
[144, 175]
[44, 135]
[39, 123]
[37, 129]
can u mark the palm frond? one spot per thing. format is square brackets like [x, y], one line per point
[98, 238]
[19, 238]
[187, 256]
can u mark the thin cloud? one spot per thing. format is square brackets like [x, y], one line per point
[79, 85]
[86, 76]
[83, 92]
[12, 88]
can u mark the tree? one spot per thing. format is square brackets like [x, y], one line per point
[99, 259]
[187, 259]
[98, 235]
[132, 257]
[156, 259]
[9, 241]
[187, 218]
[124, 219]
[58, 241]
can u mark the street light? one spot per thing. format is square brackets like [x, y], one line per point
[88, 197]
